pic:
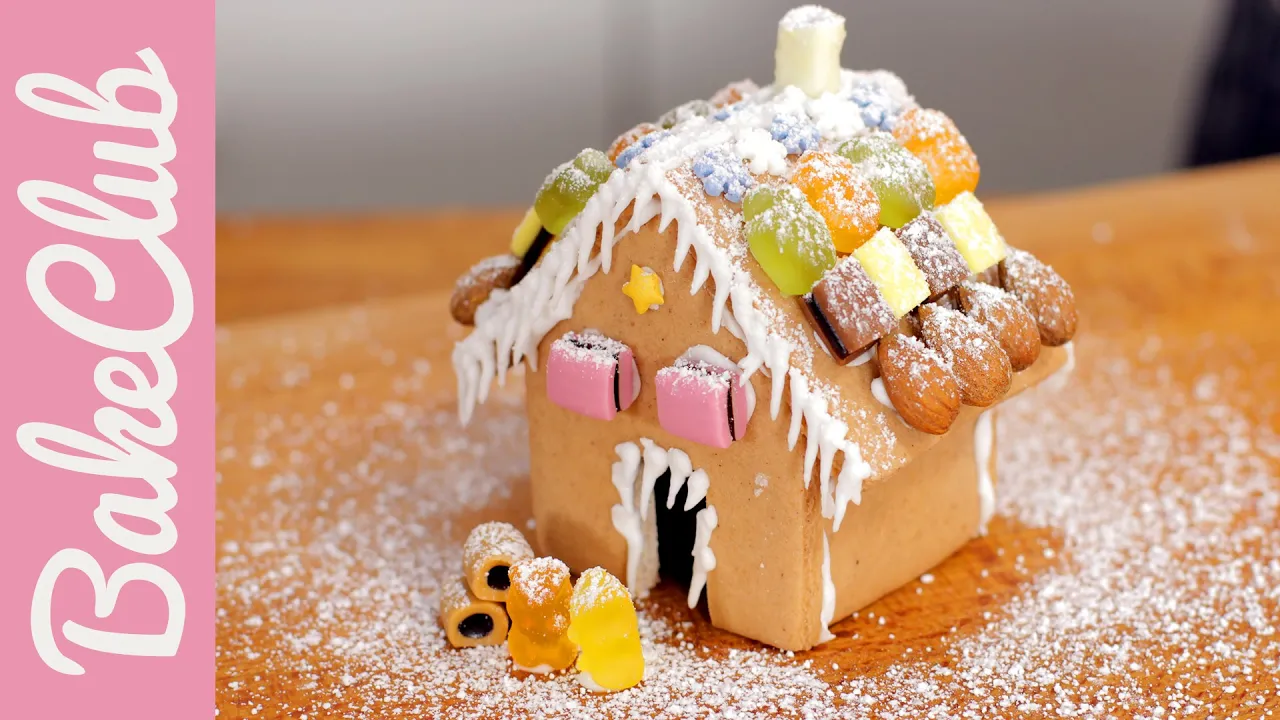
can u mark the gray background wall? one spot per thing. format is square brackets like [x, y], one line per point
[377, 104]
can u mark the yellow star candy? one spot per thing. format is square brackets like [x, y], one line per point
[644, 288]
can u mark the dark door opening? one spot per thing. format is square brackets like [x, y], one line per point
[677, 529]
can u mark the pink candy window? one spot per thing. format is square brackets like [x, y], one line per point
[591, 374]
[702, 401]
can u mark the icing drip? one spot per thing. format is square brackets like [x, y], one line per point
[627, 520]
[878, 391]
[984, 441]
[828, 593]
[699, 483]
[704, 560]
[655, 463]
[1058, 380]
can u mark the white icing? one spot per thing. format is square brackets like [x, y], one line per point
[822, 345]
[699, 483]
[655, 463]
[864, 357]
[681, 467]
[704, 560]
[627, 520]
[828, 593]
[984, 442]
[1058, 380]
[762, 153]
[511, 324]
[588, 682]
[711, 356]
[878, 392]
[542, 669]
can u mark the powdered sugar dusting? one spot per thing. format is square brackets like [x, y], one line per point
[1150, 497]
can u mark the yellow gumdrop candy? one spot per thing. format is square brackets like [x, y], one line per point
[525, 233]
[844, 199]
[973, 232]
[889, 264]
[931, 136]
[603, 623]
[538, 603]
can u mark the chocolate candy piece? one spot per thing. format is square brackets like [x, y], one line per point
[702, 401]
[934, 253]
[469, 621]
[849, 311]
[487, 556]
[591, 374]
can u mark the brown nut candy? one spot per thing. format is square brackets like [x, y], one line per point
[919, 384]
[1044, 292]
[849, 311]
[1006, 318]
[934, 253]
[469, 621]
[980, 366]
[473, 288]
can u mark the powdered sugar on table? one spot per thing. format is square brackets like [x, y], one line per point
[1138, 528]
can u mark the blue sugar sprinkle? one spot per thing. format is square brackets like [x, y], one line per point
[878, 109]
[723, 173]
[795, 132]
[638, 147]
[726, 111]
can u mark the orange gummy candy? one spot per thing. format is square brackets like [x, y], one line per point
[538, 603]
[844, 199]
[629, 138]
[931, 136]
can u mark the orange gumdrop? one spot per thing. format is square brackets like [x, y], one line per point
[844, 199]
[628, 138]
[931, 136]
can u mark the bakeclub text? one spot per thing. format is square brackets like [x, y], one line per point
[123, 446]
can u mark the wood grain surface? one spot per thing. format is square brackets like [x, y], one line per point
[1193, 260]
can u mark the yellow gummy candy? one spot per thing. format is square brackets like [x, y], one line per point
[603, 623]
[889, 264]
[538, 603]
[525, 233]
[973, 232]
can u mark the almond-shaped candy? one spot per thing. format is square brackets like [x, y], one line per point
[1006, 318]
[1044, 292]
[475, 287]
[980, 366]
[848, 310]
[934, 253]
[919, 384]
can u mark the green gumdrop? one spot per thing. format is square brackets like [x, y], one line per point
[788, 238]
[901, 180]
[568, 188]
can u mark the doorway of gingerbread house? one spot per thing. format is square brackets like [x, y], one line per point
[677, 531]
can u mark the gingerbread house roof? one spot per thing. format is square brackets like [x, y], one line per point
[847, 434]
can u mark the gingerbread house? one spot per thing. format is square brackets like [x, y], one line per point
[765, 338]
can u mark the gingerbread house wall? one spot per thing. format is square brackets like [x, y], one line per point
[768, 547]
[768, 582]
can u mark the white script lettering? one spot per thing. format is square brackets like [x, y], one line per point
[124, 448]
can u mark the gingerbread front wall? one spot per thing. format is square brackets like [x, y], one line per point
[767, 583]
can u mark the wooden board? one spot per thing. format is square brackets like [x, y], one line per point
[344, 486]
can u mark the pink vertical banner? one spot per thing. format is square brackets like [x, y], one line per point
[106, 408]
